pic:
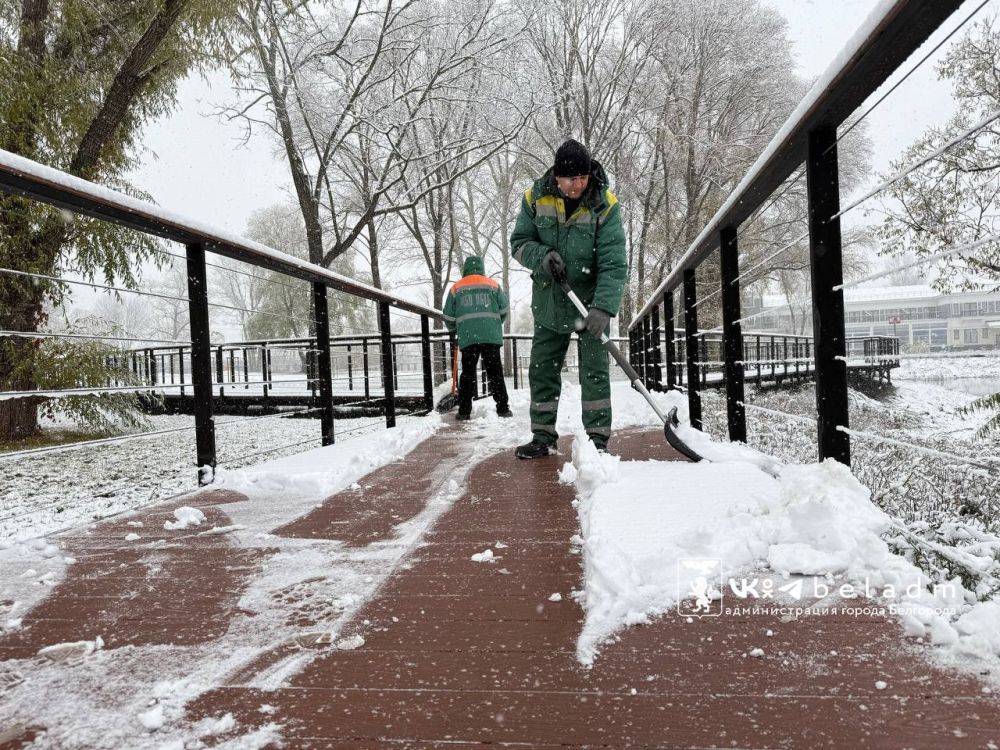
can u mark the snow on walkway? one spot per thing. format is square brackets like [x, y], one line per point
[644, 523]
[638, 519]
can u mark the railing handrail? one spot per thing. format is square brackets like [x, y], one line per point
[403, 337]
[22, 176]
[890, 33]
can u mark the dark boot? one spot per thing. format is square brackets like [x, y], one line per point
[462, 417]
[505, 412]
[534, 449]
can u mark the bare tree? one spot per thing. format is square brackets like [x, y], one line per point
[171, 317]
[128, 314]
[344, 91]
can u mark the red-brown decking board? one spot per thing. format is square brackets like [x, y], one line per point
[459, 654]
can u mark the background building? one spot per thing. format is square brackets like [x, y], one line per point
[923, 318]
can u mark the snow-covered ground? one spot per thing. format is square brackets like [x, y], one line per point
[947, 366]
[40, 494]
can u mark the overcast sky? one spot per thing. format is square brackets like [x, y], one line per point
[200, 166]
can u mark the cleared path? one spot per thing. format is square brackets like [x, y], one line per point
[461, 654]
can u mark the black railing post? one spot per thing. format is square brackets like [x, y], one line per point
[691, 345]
[265, 367]
[152, 367]
[647, 360]
[395, 369]
[350, 369]
[323, 363]
[201, 362]
[681, 353]
[703, 359]
[364, 357]
[826, 266]
[425, 355]
[668, 338]
[759, 375]
[732, 335]
[516, 363]
[180, 368]
[452, 363]
[656, 332]
[385, 331]
[219, 374]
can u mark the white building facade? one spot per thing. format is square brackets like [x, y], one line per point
[927, 319]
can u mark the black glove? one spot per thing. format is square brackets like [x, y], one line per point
[554, 264]
[596, 322]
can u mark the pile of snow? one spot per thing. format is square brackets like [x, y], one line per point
[641, 519]
[322, 471]
[186, 517]
[74, 650]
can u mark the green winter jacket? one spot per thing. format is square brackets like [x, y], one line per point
[476, 306]
[594, 253]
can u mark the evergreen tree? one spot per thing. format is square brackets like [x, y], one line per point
[78, 80]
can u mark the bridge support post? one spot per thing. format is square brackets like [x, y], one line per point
[425, 355]
[826, 267]
[323, 360]
[668, 339]
[201, 362]
[388, 370]
[732, 335]
[655, 333]
[691, 346]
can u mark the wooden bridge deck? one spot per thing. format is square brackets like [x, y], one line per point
[459, 654]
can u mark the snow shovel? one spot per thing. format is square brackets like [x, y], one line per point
[450, 401]
[670, 421]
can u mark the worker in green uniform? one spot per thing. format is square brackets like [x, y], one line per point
[570, 224]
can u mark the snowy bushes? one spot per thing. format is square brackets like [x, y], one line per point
[948, 510]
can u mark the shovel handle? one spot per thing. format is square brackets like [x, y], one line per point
[615, 353]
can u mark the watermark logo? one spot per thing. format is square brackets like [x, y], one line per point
[699, 586]
[757, 589]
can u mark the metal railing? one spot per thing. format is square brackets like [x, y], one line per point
[809, 139]
[197, 360]
[267, 367]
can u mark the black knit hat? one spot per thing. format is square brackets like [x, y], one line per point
[572, 160]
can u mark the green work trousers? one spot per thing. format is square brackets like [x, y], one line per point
[548, 350]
